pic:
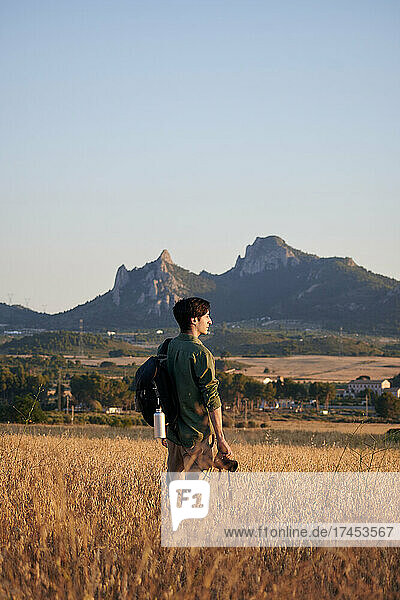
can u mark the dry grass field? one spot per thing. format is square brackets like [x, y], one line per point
[302, 368]
[322, 368]
[79, 519]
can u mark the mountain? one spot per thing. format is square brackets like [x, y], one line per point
[276, 280]
[19, 316]
[272, 280]
[268, 254]
[142, 297]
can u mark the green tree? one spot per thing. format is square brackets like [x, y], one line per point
[87, 388]
[116, 392]
[388, 406]
[253, 389]
[24, 409]
[269, 392]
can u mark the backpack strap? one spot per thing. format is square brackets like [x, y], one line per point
[163, 351]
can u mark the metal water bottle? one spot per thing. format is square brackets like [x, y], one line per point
[159, 424]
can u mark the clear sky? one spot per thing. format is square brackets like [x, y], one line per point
[196, 126]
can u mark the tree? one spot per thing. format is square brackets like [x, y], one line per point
[24, 409]
[117, 393]
[395, 381]
[87, 388]
[253, 389]
[388, 406]
[269, 392]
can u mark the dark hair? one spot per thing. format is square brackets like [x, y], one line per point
[189, 308]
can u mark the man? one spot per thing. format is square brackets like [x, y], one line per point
[192, 367]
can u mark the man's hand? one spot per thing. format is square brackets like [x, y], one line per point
[223, 446]
[216, 420]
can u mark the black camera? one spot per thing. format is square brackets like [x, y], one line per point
[223, 462]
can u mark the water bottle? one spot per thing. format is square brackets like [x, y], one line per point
[159, 424]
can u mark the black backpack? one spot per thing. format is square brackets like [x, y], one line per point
[155, 388]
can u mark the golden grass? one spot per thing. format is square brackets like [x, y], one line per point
[79, 519]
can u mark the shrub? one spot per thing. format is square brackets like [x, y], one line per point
[24, 409]
[96, 406]
[117, 353]
[121, 422]
[98, 419]
[388, 406]
[393, 435]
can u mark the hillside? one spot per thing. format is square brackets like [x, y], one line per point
[259, 343]
[272, 281]
[65, 342]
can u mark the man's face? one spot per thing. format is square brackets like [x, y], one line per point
[203, 323]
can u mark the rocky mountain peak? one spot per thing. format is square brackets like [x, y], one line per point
[121, 279]
[267, 254]
[165, 257]
[349, 262]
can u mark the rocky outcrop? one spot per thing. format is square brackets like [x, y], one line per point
[161, 288]
[157, 285]
[271, 279]
[121, 279]
[269, 253]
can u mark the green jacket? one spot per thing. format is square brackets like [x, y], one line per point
[192, 367]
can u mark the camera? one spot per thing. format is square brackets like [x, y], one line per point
[223, 462]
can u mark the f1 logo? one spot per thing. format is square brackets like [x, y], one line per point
[188, 499]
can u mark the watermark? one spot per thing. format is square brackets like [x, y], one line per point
[315, 532]
[188, 500]
[281, 509]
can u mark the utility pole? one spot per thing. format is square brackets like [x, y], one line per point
[366, 404]
[80, 337]
[59, 390]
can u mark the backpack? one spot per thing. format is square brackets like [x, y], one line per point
[155, 388]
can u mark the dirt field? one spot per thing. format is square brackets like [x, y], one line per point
[322, 368]
[329, 426]
[302, 368]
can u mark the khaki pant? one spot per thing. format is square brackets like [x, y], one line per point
[196, 459]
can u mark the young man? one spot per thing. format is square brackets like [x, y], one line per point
[192, 367]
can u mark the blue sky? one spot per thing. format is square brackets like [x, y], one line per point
[129, 127]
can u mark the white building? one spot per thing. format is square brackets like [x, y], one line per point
[356, 386]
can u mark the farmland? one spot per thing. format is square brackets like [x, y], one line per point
[322, 368]
[301, 367]
[79, 519]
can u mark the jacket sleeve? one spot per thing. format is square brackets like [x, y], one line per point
[204, 369]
